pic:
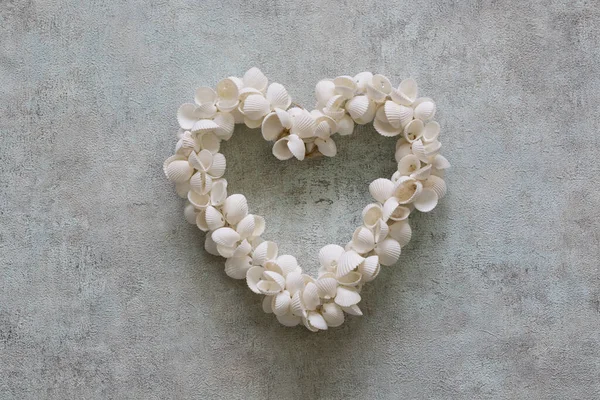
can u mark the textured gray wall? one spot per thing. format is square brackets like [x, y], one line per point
[105, 292]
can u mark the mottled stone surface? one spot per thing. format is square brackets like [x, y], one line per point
[105, 292]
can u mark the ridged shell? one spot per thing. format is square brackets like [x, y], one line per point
[351, 279]
[201, 221]
[226, 124]
[210, 246]
[425, 111]
[401, 232]
[264, 252]
[268, 287]
[407, 189]
[413, 131]
[278, 96]
[303, 125]
[316, 320]
[431, 131]
[369, 268]
[254, 78]
[388, 251]
[235, 208]
[189, 212]
[363, 240]
[437, 184]
[310, 296]
[253, 276]
[204, 95]
[422, 173]
[201, 183]
[187, 115]
[205, 125]
[327, 147]
[214, 219]
[409, 164]
[326, 287]
[243, 249]
[379, 88]
[294, 282]
[345, 126]
[246, 226]
[345, 86]
[324, 90]
[177, 170]
[288, 147]
[403, 150]
[406, 93]
[440, 162]
[225, 237]
[274, 277]
[346, 297]
[371, 215]
[386, 129]
[255, 107]
[362, 79]
[209, 141]
[281, 303]
[296, 305]
[381, 189]
[287, 264]
[348, 261]
[381, 230]
[288, 320]
[271, 126]
[237, 267]
[218, 193]
[397, 115]
[394, 211]
[330, 254]
[199, 201]
[228, 89]
[361, 109]
[333, 314]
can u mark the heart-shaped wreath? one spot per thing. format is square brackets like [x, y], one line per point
[197, 169]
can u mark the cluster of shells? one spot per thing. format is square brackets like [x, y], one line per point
[197, 170]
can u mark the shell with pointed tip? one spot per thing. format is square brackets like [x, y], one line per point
[406, 93]
[394, 211]
[288, 147]
[369, 269]
[381, 189]
[346, 296]
[431, 131]
[254, 78]
[274, 124]
[345, 86]
[401, 232]
[310, 296]
[363, 240]
[177, 169]
[267, 304]
[264, 252]
[388, 251]
[237, 267]
[189, 212]
[210, 246]
[353, 310]
[225, 237]
[409, 164]
[407, 189]
[333, 314]
[425, 110]
[246, 226]
[397, 115]
[348, 261]
[235, 208]
[201, 221]
[440, 162]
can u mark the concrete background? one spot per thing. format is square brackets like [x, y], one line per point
[105, 292]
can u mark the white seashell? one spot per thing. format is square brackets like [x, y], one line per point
[208, 141]
[381, 230]
[200, 201]
[327, 147]
[218, 165]
[177, 169]
[218, 193]
[440, 162]
[401, 232]
[186, 144]
[316, 320]
[397, 115]
[381, 189]
[425, 110]
[264, 252]
[362, 79]
[413, 131]
[352, 279]
[253, 123]
[294, 282]
[253, 276]
[288, 147]
[388, 251]
[205, 96]
[329, 255]
[278, 96]
[189, 212]
[425, 152]
[226, 124]
[333, 314]
[336, 114]
[386, 129]
[324, 90]
[296, 305]
[201, 161]
[369, 269]
[345, 125]
[237, 115]
[406, 93]
[272, 126]
[346, 297]
[371, 215]
[246, 226]
[255, 107]
[228, 90]
[353, 310]
[345, 86]
[431, 131]
[287, 264]
[288, 320]
[187, 115]
[267, 304]
[214, 219]
[403, 150]
[268, 287]
[237, 267]
[254, 78]
[280, 304]
[310, 296]
[235, 208]
[226, 237]
[303, 125]
[363, 240]
[245, 92]
[407, 189]
[201, 182]
[326, 287]
[379, 88]
[243, 249]
[394, 211]
[348, 261]
[422, 173]
[182, 189]
[272, 276]
[437, 184]
[409, 164]
[201, 221]
[361, 109]
[210, 246]
[204, 125]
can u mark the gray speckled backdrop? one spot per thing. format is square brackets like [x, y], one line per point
[105, 292]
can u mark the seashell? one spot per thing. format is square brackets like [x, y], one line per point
[371, 215]
[381, 230]
[272, 126]
[363, 240]
[280, 304]
[253, 276]
[246, 226]
[201, 221]
[422, 173]
[268, 287]
[201, 161]
[403, 150]
[386, 129]
[352, 279]
[353, 310]
[379, 88]
[287, 264]
[228, 92]
[401, 232]
[345, 125]
[327, 147]
[186, 144]
[406, 93]
[218, 193]
[310, 296]
[348, 261]
[431, 131]
[254, 78]
[226, 124]
[237, 267]
[201, 183]
[440, 162]
[177, 170]
[388, 251]
[209, 141]
[255, 107]
[189, 212]
[237, 115]
[278, 96]
[264, 252]
[288, 147]
[272, 276]
[226, 237]
[397, 115]
[204, 125]
[205, 96]
[303, 125]
[245, 92]
[326, 287]
[407, 189]
[425, 151]
[288, 320]
[330, 254]
[187, 115]
[214, 219]
[437, 184]
[381, 189]
[267, 304]
[210, 246]
[346, 297]
[425, 110]
[345, 86]
[336, 114]
[253, 123]
[323, 130]
[243, 249]
[369, 269]
[199, 201]
[296, 306]
[326, 126]
[324, 90]
[333, 314]
[361, 109]
[409, 164]
[316, 320]
[217, 167]
[235, 208]
[295, 111]
[294, 282]
[413, 131]
[362, 79]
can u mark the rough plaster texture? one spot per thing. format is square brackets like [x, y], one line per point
[105, 292]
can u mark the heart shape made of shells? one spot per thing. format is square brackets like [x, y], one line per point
[197, 169]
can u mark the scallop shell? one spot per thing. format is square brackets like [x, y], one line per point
[401, 232]
[254, 78]
[431, 131]
[348, 261]
[303, 125]
[352, 279]
[310, 296]
[288, 320]
[235, 208]
[199, 201]
[369, 269]
[264, 252]
[413, 131]
[407, 189]
[226, 124]
[437, 184]
[361, 109]
[371, 215]
[294, 282]
[388, 251]
[324, 90]
[255, 107]
[425, 151]
[381, 230]
[345, 86]
[272, 126]
[330, 254]
[218, 193]
[187, 115]
[346, 297]
[440, 162]
[288, 147]
[253, 276]
[406, 93]
[296, 306]
[362, 79]
[237, 267]
[278, 96]
[189, 212]
[201, 183]
[204, 125]
[409, 164]
[363, 240]
[397, 115]
[214, 219]
[326, 287]
[422, 173]
[246, 226]
[280, 304]
[226, 237]
[243, 249]
[177, 169]
[425, 110]
[326, 147]
[315, 320]
[345, 126]
[386, 129]
[333, 314]
[402, 150]
[201, 221]
[287, 264]
[381, 189]
[209, 141]
[353, 310]
[394, 211]
[276, 278]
